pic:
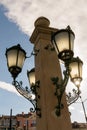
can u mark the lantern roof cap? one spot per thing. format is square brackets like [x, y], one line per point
[74, 59]
[67, 29]
[18, 47]
[32, 70]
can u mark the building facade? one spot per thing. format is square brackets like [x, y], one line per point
[18, 122]
[28, 122]
[7, 122]
[79, 126]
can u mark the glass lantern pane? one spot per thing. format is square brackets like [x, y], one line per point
[72, 41]
[31, 76]
[56, 48]
[62, 41]
[73, 70]
[77, 81]
[80, 69]
[12, 57]
[21, 58]
[76, 71]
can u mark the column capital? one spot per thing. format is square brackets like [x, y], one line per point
[41, 27]
[42, 21]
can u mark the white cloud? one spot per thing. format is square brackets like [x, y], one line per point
[60, 13]
[25, 12]
[8, 87]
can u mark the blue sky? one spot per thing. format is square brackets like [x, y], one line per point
[16, 25]
[11, 35]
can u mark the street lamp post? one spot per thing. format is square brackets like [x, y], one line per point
[45, 79]
[83, 108]
[10, 124]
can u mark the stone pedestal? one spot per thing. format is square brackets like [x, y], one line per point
[47, 66]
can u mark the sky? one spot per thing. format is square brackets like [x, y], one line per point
[16, 26]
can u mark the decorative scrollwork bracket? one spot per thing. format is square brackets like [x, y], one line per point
[25, 92]
[59, 89]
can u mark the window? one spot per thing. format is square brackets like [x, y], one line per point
[33, 124]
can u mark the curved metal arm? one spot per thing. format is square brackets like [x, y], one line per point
[71, 98]
[25, 93]
[34, 52]
[60, 88]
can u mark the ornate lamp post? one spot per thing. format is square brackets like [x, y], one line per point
[60, 43]
[63, 41]
[15, 59]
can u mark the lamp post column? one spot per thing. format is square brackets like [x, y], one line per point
[47, 66]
